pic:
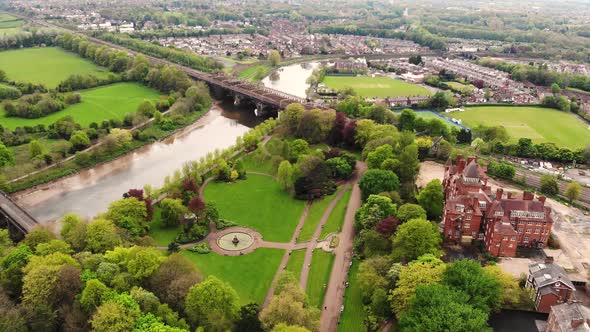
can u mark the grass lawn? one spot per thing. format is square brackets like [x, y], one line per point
[427, 115]
[162, 235]
[255, 73]
[578, 90]
[315, 215]
[295, 262]
[353, 317]
[460, 87]
[9, 22]
[377, 87]
[103, 103]
[319, 277]
[49, 65]
[258, 203]
[250, 275]
[536, 123]
[336, 219]
[258, 162]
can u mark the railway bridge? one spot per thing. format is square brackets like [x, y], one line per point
[18, 221]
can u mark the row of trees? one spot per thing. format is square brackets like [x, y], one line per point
[37, 105]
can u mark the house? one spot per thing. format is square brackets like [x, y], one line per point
[551, 285]
[569, 317]
[503, 221]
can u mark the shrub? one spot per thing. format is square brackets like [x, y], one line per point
[222, 224]
[201, 248]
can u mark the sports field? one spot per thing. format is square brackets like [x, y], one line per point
[49, 65]
[104, 103]
[536, 123]
[375, 87]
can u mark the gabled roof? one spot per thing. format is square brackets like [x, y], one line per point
[472, 170]
[546, 274]
[567, 313]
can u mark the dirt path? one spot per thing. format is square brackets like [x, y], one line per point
[313, 243]
[287, 254]
[336, 287]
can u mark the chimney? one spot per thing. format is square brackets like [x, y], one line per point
[499, 193]
[542, 199]
[528, 196]
[576, 322]
[460, 163]
[510, 195]
[549, 259]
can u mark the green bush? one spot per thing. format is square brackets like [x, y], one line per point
[222, 224]
[201, 248]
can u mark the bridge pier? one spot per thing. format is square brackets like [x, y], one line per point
[217, 92]
[14, 232]
[238, 100]
[264, 110]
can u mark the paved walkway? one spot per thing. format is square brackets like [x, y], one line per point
[335, 293]
[287, 254]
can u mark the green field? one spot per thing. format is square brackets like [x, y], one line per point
[295, 263]
[250, 275]
[353, 317]
[376, 87]
[48, 66]
[319, 277]
[255, 73]
[162, 235]
[461, 88]
[336, 219]
[103, 103]
[536, 123]
[315, 215]
[257, 203]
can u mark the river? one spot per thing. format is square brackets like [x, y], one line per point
[91, 191]
[291, 79]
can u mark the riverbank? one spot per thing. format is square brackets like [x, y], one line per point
[89, 191]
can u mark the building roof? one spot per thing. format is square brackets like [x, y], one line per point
[571, 317]
[549, 273]
[472, 170]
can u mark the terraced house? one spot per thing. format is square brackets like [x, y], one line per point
[503, 221]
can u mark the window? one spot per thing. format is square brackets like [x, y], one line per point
[530, 223]
[513, 238]
[498, 244]
[520, 222]
[473, 234]
[526, 239]
[468, 217]
[505, 238]
[467, 225]
[538, 223]
[528, 231]
[520, 230]
[510, 245]
[537, 231]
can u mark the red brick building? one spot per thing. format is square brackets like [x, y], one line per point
[551, 285]
[568, 317]
[503, 221]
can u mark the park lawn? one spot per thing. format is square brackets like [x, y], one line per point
[258, 162]
[250, 275]
[319, 277]
[258, 203]
[47, 65]
[161, 234]
[353, 317]
[537, 123]
[255, 73]
[336, 219]
[315, 215]
[376, 87]
[98, 104]
[295, 263]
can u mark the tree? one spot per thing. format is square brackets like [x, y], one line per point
[117, 139]
[289, 328]
[573, 191]
[373, 211]
[555, 89]
[80, 140]
[511, 291]
[249, 321]
[549, 185]
[288, 307]
[11, 269]
[35, 148]
[6, 156]
[130, 214]
[376, 158]
[274, 57]
[298, 148]
[42, 278]
[92, 295]
[102, 235]
[146, 108]
[426, 270]
[37, 236]
[415, 238]
[484, 290]
[173, 279]
[439, 308]
[371, 275]
[407, 119]
[409, 164]
[411, 211]
[292, 115]
[376, 181]
[114, 317]
[431, 198]
[210, 301]
[172, 211]
[285, 175]
[339, 168]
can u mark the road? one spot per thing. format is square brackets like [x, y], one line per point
[343, 258]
